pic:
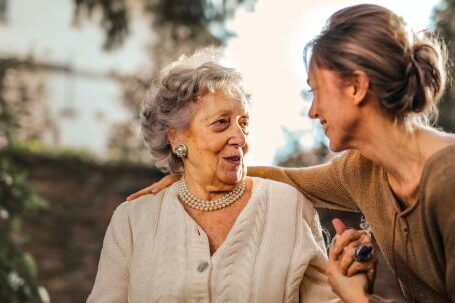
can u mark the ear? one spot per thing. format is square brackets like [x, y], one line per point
[360, 85]
[173, 137]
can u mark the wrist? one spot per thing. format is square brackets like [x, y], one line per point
[365, 299]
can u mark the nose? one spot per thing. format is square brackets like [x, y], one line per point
[312, 113]
[238, 136]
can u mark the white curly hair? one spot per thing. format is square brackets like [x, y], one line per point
[170, 101]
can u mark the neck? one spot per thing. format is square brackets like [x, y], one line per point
[399, 151]
[207, 189]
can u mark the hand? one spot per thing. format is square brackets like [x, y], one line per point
[155, 187]
[349, 289]
[344, 247]
[345, 275]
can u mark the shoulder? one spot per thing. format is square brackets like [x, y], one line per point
[438, 183]
[275, 190]
[439, 172]
[285, 196]
[144, 206]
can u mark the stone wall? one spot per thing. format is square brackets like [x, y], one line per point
[67, 237]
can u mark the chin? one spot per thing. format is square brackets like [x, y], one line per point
[336, 146]
[232, 178]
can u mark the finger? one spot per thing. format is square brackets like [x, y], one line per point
[339, 226]
[371, 274]
[169, 180]
[344, 239]
[346, 259]
[364, 267]
[333, 255]
[148, 190]
[358, 267]
[365, 239]
[155, 187]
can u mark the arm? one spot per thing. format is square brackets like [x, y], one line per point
[440, 215]
[325, 185]
[449, 249]
[112, 279]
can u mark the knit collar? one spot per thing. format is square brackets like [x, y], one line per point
[429, 164]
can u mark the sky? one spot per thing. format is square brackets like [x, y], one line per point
[267, 50]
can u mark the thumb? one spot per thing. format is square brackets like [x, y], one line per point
[339, 226]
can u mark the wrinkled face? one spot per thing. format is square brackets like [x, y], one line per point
[217, 140]
[333, 106]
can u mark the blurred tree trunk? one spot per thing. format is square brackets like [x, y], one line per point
[445, 24]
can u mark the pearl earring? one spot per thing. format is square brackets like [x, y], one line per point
[181, 150]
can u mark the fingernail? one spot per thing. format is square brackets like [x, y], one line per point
[154, 191]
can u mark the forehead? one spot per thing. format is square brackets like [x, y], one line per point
[217, 103]
[322, 76]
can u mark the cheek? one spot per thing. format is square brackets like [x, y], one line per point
[210, 148]
[246, 148]
[215, 146]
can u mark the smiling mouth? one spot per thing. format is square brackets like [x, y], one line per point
[324, 126]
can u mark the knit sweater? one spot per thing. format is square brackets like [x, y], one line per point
[418, 242]
[154, 251]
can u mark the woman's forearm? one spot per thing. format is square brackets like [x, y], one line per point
[318, 183]
[271, 172]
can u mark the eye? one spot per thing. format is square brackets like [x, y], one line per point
[221, 122]
[244, 125]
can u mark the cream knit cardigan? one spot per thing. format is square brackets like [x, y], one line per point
[154, 251]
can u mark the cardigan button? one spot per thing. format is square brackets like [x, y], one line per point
[202, 266]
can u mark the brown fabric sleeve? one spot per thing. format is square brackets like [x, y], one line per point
[325, 185]
[377, 299]
[440, 218]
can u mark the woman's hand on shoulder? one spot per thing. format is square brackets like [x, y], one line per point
[155, 187]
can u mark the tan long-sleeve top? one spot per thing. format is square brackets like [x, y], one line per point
[418, 242]
[154, 251]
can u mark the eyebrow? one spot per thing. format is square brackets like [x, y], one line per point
[218, 113]
[224, 112]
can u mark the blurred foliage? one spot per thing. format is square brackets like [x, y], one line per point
[185, 20]
[38, 147]
[294, 154]
[180, 27]
[18, 271]
[303, 158]
[444, 17]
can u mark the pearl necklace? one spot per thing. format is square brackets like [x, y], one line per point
[205, 205]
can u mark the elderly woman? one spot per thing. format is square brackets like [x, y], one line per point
[216, 235]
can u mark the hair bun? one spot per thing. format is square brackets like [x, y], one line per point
[426, 74]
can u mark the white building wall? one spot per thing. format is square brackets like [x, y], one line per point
[44, 29]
